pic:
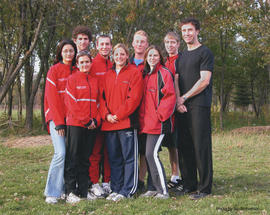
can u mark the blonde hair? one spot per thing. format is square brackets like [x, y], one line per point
[123, 46]
[173, 35]
[142, 33]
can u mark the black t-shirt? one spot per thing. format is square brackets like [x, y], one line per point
[189, 67]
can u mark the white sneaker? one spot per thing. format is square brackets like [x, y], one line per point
[91, 196]
[149, 193]
[63, 196]
[51, 200]
[111, 196]
[72, 198]
[106, 188]
[161, 196]
[118, 197]
[97, 190]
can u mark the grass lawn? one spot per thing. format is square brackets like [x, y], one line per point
[241, 183]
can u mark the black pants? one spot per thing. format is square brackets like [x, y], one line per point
[79, 145]
[195, 148]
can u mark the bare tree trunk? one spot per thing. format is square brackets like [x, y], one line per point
[10, 103]
[20, 98]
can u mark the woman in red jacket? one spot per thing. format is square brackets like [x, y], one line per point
[121, 93]
[155, 115]
[55, 114]
[82, 120]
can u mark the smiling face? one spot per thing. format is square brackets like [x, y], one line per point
[120, 57]
[84, 63]
[171, 45]
[67, 53]
[189, 34]
[153, 58]
[104, 46]
[82, 42]
[139, 44]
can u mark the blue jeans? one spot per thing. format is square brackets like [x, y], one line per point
[55, 180]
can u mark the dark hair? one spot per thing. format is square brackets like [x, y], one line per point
[103, 36]
[58, 57]
[146, 65]
[83, 53]
[191, 20]
[80, 29]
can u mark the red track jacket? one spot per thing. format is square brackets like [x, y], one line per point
[54, 106]
[120, 95]
[82, 100]
[100, 66]
[158, 103]
[170, 64]
[134, 66]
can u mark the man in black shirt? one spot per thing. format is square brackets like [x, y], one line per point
[194, 95]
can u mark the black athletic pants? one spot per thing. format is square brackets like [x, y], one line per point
[79, 145]
[195, 148]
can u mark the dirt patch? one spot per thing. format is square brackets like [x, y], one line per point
[25, 142]
[252, 130]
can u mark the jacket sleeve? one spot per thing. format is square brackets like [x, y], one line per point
[103, 110]
[55, 103]
[167, 103]
[133, 97]
[73, 107]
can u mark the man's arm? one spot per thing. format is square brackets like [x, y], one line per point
[198, 87]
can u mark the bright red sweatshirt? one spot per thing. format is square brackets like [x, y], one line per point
[82, 100]
[54, 107]
[120, 95]
[100, 66]
[170, 63]
[158, 102]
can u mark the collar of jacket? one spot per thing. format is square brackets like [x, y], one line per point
[131, 60]
[156, 68]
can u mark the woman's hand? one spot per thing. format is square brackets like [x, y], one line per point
[61, 132]
[112, 118]
[92, 126]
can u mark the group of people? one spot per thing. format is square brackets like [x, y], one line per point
[111, 118]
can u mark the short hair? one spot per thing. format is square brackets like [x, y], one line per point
[142, 33]
[146, 65]
[59, 48]
[123, 46]
[83, 53]
[173, 35]
[191, 20]
[103, 36]
[80, 29]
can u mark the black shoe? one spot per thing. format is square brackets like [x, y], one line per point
[172, 185]
[198, 195]
[183, 191]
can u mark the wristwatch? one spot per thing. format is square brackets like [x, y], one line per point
[185, 98]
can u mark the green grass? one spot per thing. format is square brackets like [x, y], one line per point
[241, 183]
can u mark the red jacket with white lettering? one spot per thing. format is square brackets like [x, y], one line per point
[82, 100]
[158, 102]
[121, 95]
[100, 66]
[54, 106]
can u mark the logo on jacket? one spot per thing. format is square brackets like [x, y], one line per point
[81, 87]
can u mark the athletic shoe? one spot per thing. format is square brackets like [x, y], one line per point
[172, 184]
[140, 187]
[91, 196]
[111, 196]
[149, 193]
[106, 188]
[97, 190]
[72, 198]
[51, 200]
[198, 195]
[161, 196]
[63, 196]
[118, 197]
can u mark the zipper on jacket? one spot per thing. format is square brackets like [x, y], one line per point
[89, 94]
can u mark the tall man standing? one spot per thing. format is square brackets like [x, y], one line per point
[194, 105]
[99, 158]
[172, 44]
[140, 44]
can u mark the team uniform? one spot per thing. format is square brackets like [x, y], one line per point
[55, 114]
[155, 115]
[82, 108]
[194, 126]
[100, 66]
[121, 95]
